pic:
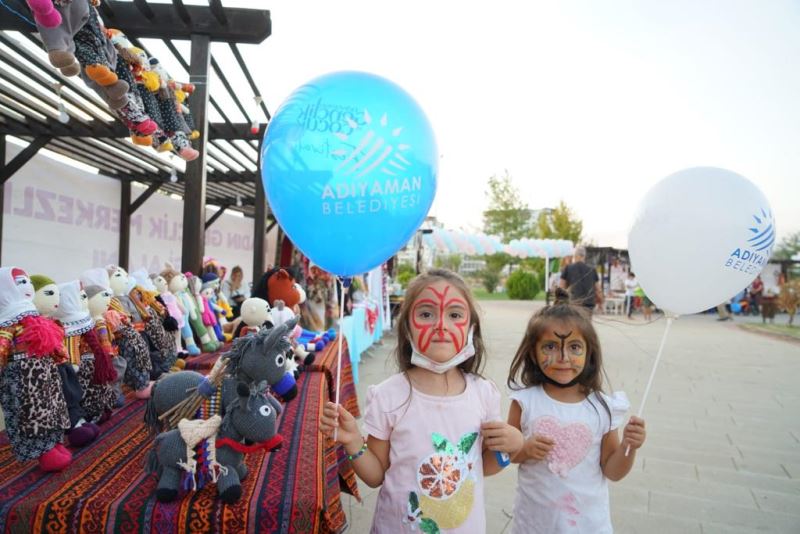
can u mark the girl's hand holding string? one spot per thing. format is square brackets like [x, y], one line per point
[335, 416]
[634, 434]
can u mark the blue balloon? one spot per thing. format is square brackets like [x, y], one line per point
[349, 165]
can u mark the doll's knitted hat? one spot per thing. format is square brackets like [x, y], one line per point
[40, 280]
[210, 280]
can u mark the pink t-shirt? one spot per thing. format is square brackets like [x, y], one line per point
[435, 476]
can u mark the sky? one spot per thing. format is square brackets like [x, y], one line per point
[582, 101]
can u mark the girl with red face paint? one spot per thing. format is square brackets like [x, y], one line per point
[570, 426]
[433, 430]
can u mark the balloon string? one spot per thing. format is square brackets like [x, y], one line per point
[652, 374]
[339, 356]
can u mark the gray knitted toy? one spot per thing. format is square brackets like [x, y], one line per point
[257, 361]
[249, 419]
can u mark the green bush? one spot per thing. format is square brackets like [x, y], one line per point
[405, 273]
[522, 285]
[489, 279]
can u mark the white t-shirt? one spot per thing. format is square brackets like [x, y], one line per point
[567, 491]
[630, 286]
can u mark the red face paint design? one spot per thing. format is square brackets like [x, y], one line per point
[435, 317]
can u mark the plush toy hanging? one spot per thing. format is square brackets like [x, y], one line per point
[98, 58]
[57, 25]
[31, 346]
[86, 353]
[173, 124]
[81, 431]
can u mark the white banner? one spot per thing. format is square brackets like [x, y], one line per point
[60, 220]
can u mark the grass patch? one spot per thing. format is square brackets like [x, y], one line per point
[775, 329]
[482, 294]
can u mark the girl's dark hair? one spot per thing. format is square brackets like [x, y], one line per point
[473, 365]
[525, 371]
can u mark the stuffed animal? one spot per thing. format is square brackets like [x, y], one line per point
[172, 123]
[81, 431]
[129, 343]
[87, 354]
[258, 361]
[58, 38]
[99, 302]
[31, 346]
[249, 425]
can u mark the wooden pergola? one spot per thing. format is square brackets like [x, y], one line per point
[226, 173]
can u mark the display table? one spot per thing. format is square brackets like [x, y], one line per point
[105, 489]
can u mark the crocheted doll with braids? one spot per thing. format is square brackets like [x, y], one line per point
[91, 358]
[81, 432]
[99, 302]
[130, 344]
[31, 346]
[143, 312]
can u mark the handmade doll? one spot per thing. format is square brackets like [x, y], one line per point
[178, 284]
[143, 312]
[99, 303]
[81, 431]
[158, 322]
[85, 351]
[176, 310]
[129, 343]
[203, 314]
[33, 404]
[255, 314]
[209, 291]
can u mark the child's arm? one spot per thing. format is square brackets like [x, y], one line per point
[371, 464]
[534, 448]
[613, 461]
[498, 437]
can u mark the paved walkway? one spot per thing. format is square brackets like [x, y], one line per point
[723, 448]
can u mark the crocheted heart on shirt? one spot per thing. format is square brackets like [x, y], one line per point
[572, 442]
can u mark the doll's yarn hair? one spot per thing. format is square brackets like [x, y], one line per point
[169, 273]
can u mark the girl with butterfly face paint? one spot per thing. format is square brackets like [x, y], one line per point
[433, 430]
[570, 426]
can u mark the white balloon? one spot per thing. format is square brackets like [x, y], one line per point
[699, 237]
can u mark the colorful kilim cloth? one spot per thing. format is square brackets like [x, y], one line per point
[294, 489]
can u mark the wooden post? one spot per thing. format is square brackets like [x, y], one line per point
[194, 196]
[123, 258]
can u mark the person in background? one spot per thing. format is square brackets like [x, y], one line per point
[234, 290]
[756, 292]
[630, 292]
[582, 282]
[724, 312]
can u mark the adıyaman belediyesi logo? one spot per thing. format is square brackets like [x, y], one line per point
[751, 257]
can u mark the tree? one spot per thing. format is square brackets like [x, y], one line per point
[788, 247]
[560, 223]
[449, 261]
[507, 215]
[489, 279]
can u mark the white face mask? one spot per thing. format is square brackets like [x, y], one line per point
[420, 360]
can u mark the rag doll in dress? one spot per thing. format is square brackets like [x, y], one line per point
[193, 322]
[99, 303]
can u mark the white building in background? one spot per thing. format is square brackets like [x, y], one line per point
[471, 266]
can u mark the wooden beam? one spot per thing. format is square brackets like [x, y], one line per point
[259, 231]
[216, 215]
[180, 9]
[22, 158]
[243, 25]
[124, 224]
[194, 197]
[147, 193]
